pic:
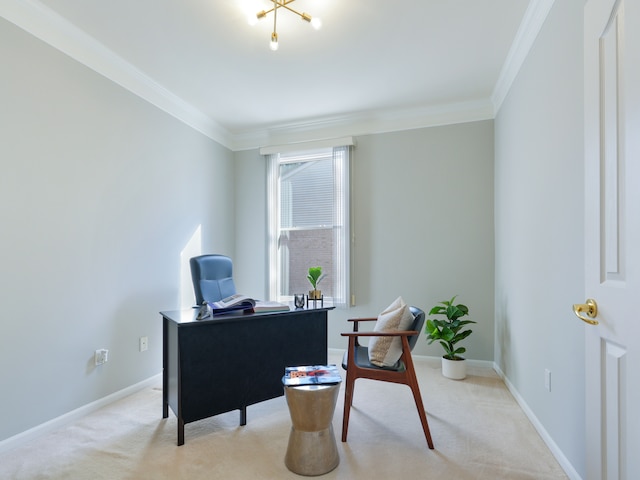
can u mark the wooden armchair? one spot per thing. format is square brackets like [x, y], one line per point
[356, 363]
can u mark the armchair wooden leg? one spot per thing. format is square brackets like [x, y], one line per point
[348, 399]
[413, 384]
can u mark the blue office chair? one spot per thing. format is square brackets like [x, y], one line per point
[212, 278]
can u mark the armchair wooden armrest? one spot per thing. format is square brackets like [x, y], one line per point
[356, 321]
[403, 333]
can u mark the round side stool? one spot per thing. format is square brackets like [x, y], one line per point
[312, 446]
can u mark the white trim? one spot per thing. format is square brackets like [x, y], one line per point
[369, 123]
[531, 25]
[317, 144]
[555, 450]
[69, 417]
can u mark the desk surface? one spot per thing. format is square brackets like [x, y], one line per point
[187, 316]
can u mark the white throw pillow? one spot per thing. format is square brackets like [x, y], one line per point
[386, 351]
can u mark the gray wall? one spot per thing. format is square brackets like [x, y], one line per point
[539, 224]
[422, 212]
[99, 194]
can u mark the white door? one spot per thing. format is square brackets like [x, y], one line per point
[612, 237]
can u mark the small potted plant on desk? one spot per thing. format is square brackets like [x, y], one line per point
[314, 276]
[449, 331]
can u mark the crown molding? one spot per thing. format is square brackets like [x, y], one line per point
[43, 23]
[531, 25]
[366, 123]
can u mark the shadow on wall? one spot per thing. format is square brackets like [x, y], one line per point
[193, 248]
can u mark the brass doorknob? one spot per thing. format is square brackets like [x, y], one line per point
[590, 308]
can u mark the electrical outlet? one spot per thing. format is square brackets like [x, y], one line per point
[547, 379]
[102, 356]
[144, 343]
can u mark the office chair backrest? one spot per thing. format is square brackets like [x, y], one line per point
[418, 323]
[212, 278]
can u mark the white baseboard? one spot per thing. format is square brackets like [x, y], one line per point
[23, 437]
[555, 450]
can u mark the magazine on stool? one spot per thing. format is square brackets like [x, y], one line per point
[311, 375]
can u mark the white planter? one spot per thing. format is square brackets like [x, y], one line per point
[454, 369]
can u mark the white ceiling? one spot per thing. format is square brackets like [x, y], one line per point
[372, 59]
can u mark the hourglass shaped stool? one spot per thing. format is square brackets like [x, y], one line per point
[312, 446]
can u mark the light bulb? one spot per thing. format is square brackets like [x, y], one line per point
[274, 41]
[316, 23]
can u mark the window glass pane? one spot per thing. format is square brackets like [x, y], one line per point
[301, 249]
[306, 221]
[306, 194]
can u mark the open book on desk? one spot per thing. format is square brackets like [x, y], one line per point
[237, 303]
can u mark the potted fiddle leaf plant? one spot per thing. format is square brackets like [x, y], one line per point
[449, 331]
[314, 276]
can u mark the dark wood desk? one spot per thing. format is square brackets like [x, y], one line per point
[230, 362]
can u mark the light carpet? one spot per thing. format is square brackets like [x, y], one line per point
[478, 430]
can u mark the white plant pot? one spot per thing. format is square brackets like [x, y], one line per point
[454, 369]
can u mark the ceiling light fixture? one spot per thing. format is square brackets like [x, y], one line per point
[315, 22]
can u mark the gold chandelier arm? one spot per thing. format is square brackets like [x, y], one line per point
[275, 20]
[264, 13]
[291, 9]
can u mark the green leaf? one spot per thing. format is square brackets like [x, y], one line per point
[461, 336]
[314, 274]
[463, 308]
[448, 334]
[466, 322]
[431, 327]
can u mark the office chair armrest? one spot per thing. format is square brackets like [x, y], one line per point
[399, 333]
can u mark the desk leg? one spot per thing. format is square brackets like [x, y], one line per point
[243, 416]
[180, 431]
[165, 368]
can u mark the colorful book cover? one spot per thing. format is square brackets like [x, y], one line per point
[311, 375]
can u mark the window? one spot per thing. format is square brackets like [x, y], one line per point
[309, 222]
